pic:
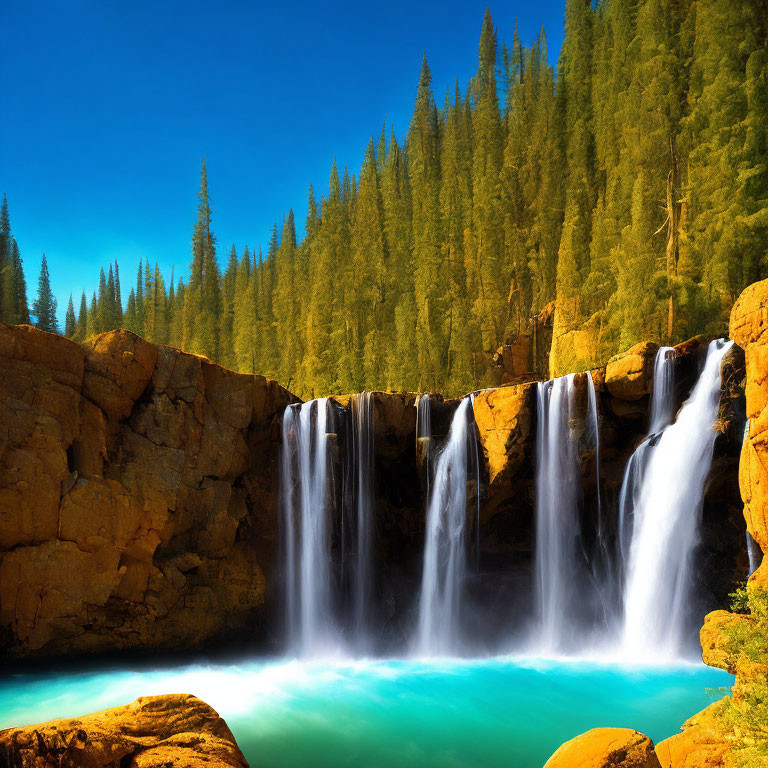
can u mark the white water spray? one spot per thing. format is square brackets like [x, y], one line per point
[666, 521]
[445, 554]
[663, 397]
[424, 438]
[362, 590]
[557, 515]
[661, 415]
[304, 496]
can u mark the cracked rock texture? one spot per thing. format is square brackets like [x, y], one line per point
[152, 732]
[137, 495]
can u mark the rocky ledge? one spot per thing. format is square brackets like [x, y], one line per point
[171, 731]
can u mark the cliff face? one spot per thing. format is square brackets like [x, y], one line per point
[137, 489]
[749, 329]
[138, 493]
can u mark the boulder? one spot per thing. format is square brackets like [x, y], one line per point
[503, 419]
[629, 376]
[152, 732]
[118, 366]
[716, 645]
[606, 748]
[701, 743]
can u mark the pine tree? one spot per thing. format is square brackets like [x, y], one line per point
[92, 320]
[284, 309]
[575, 96]
[368, 316]
[103, 307]
[401, 362]
[130, 320]
[226, 330]
[492, 276]
[5, 258]
[82, 319]
[118, 299]
[45, 304]
[324, 335]
[456, 209]
[21, 307]
[430, 275]
[244, 322]
[70, 325]
[203, 294]
[157, 320]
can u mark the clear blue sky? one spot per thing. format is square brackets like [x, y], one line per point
[108, 109]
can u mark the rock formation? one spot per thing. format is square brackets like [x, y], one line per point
[749, 329]
[152, 732]
[606, 748]
[137, 490]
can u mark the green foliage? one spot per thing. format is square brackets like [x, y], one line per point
[740, 599]
[744, 716]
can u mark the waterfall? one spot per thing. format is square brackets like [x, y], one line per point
[475, 456]
[362, 436]
[424, 439]
[663, 397]
[662, 413]
[603, 561]
[666, 517]
[423, 418]
[304, 484]
[445, 556]
[557, 514]
[594, 428]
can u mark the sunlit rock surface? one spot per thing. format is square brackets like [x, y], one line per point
[137, 494]
[606, 748]
[629, 376]
[749, 329]
[700, 744]
[152, 732]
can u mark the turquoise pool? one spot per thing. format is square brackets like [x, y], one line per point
[489, 712]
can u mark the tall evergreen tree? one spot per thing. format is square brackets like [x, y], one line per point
[82, 319]
[430, 275]
[203, 294]
[70, 324]
[45, 303]
[5, 258]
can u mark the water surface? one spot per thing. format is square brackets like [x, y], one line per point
[451, 713]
